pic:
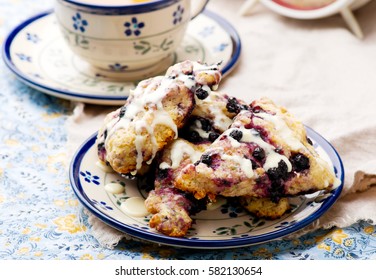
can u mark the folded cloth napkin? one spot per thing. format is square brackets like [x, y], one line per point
[320, 72]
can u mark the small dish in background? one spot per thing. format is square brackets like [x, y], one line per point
[312, 9]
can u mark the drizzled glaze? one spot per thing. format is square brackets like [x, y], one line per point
[253, 136]
[211, 107]
[134, 207]
[178, 150]
[282, 129]
[145, 103]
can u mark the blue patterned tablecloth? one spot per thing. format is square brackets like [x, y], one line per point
[40, 215]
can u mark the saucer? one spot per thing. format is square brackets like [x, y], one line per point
[37, 53]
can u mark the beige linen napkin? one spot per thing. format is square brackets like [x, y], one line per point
[317, 69]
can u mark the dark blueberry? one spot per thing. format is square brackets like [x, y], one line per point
[258, 153]
[233, 105]
[194, 205]
[206, 159]
[236, 134]
[224, 183]
[206, 125]
[279, 172]
[105, 134]
[201, 93]
[122, 111]
[213, 136]
[309, 141]
[300, 162]
[244, 107]
[194, 136]
[172, 77]
[276, 191]
[100, 146]
[254, 164]
[162, 173]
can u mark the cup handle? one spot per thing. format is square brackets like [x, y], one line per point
[197, 7]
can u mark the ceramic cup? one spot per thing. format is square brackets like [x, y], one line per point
[126, 36]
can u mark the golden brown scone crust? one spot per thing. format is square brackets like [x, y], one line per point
[265, 208]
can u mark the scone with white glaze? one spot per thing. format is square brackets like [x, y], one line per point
[172, 208]
[264, 153]
[132, 135]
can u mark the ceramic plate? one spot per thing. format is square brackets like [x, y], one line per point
[36, 52]
[227, 226]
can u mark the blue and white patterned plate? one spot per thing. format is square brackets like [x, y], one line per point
[37, 53]
[227, 226]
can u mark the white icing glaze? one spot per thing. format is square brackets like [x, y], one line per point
[135, 207]
[283, 130]
[244, 163]
[252, 136]
[114, 188]
[178, 149]
[200, 131]
[273, 159]
[104, 167]
[213, 106]
[164, 165]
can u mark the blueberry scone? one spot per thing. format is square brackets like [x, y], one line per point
[264, 153]
[132, 135]
[172, 208]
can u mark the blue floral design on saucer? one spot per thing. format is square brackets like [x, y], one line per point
[88, 177]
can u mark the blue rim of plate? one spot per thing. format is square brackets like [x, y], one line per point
[122, 9]
[34, 83]
[201, 243]
[156, 4]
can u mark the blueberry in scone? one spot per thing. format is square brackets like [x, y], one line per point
[210, 117]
